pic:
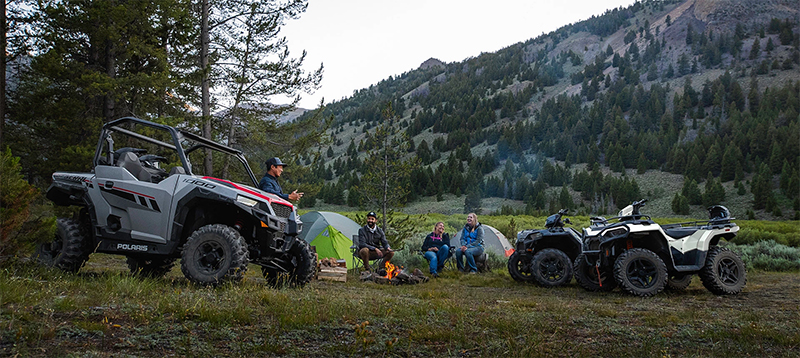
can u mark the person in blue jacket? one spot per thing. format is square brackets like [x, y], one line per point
[269, 182]
[435, 248]
[471, 244]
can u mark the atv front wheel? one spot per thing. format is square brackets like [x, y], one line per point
[679, 282]
[214, 254]
[587, 275]
[640, 272]
[551, 268]
[724, 272]
[519, 267]
[69, 249]
[150, 267]
[294, 269]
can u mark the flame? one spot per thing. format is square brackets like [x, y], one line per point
[391, 270]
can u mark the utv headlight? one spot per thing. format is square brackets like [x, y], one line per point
[246, 201]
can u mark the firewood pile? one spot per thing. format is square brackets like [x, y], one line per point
[332, 270]
[402, 278]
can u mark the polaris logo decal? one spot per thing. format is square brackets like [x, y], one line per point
[129, 247]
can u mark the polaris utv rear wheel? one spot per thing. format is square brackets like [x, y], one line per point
[519, 267]
[296, 269]
[214, 254]
[69, 249]
[724, 272]
[587, 275]
[679, 282]
[640, 272]
[551, 268]
[150, 267]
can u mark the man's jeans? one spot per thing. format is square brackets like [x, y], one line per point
[471, 254]
[436, 259]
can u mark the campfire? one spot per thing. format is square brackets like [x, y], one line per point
[395, 275]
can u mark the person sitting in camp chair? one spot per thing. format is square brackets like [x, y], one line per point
[372, 243]
[471, 244]
[435, 248]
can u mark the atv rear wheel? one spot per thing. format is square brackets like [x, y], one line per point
[587, 275]
[640, 272]
[150, 267]
[679, 282]
[724, 272]
[294, 269]
[551, 268]
[214, 254]
[519, 267]
[69, 249]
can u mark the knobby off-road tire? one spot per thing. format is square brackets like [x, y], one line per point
[724, 272]
[586, 275]
[640, 272]
[69, 249]
[150, 267]
[299, 265]
[519, 267]
[214, 254]
[679, 282]
[551, 268]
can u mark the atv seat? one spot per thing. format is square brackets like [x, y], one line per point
[130, 161]
[679, 233]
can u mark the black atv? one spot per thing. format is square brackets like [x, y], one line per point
[546, 256]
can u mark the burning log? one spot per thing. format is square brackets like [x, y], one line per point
[395, 275]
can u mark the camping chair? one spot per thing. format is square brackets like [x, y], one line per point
[358, 264]
[449, 261]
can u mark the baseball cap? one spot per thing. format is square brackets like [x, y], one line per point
[275, 161]
[372, 213]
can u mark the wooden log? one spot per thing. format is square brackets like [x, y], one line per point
[333, 274]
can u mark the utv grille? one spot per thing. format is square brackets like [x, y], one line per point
[282, 211]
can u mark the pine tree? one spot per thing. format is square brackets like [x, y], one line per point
[680, 205]
[692, 192]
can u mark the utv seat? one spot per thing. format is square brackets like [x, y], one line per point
[177, 170]
[130, 161]
[679, 233]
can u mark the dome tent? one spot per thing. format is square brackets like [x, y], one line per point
[330, 233]
[493, 240]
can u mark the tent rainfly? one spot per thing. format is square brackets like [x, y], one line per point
[331, 233]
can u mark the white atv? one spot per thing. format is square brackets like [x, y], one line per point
[644, 257]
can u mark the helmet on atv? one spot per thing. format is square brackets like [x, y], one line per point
[718, 213]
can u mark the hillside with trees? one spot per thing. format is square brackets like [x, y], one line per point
[686, 102]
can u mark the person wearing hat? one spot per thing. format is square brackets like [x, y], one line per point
[372, 243]
[269, 182]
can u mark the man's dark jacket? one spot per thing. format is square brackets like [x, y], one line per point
[371, 240]
[269, 184]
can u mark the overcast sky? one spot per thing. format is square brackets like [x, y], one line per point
[361, 42]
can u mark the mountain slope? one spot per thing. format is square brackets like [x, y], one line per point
[700, 89]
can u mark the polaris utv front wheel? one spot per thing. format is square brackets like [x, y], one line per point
[640, 272]
[150, 267]
[69, 249]
[519, 267]
[214, 254]
[724, 272]
[591, 277]
[679, 282]
[294, 269]
[551, 268]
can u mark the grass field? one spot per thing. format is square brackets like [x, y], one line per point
[103, 312]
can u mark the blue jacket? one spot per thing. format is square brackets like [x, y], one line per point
[269, 184]
[473, 238]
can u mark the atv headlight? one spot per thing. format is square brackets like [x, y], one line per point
[246, 201]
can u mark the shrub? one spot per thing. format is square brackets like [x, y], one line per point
[782, 232]
[768, 256]
[25, 220]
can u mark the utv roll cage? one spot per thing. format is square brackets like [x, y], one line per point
[177, 136]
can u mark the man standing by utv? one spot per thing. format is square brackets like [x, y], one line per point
[269, 182]
[372, 243]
